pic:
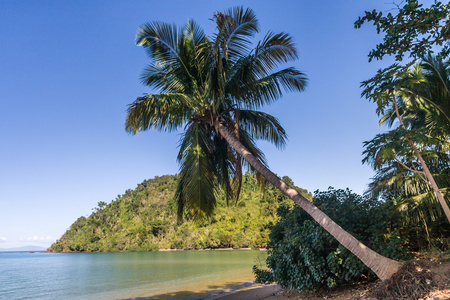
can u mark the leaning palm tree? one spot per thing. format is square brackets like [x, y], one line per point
[213, 87]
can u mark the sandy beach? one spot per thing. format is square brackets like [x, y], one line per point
[363, 291]
[275, 292]
[255, 292]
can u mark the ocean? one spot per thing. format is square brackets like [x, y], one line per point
[138, 275]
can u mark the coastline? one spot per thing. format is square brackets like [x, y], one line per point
[159, 250]
[215, 249]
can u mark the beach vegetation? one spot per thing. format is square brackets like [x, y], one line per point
[303, 256]
[412, 159]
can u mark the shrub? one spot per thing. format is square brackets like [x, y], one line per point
[304, 256]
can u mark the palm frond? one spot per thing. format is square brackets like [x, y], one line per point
[396, 174]
[198, 179]
[178, 64]
[415, 198]
[194, 50]
[273, 50]
[235, 28]
[224, 166]
[268, 89]
[263, 126]
[164, 78]
[161, 41]
[422, 90]
[165, 112]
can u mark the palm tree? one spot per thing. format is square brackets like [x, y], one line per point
[419, 99]
[389, 153]
[213, 87]
[426, 102]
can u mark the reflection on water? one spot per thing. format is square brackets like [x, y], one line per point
[123, 275]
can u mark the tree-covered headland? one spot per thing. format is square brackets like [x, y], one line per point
[145, 219]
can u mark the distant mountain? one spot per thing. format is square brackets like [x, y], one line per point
[145, 219]
[25, 248]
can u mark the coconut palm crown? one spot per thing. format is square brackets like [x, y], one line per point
[213, 88]
[203, 80]
[423, 95]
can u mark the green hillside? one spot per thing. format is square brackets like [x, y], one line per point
[144, 219]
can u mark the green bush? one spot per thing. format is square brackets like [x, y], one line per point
[304, 256]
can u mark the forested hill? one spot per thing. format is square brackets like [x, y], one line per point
[144, 219]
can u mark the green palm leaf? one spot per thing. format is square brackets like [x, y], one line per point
[161, 41]
[224, 161]
[198, 179]
[254, 70]
[263, 126]
[268, 89]
[235, 26]
[273, 50]
[165, 112]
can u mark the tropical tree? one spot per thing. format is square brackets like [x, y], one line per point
[422, 99]
[398, 173]
[213, 88]
[425, 103]
[418, 98]
[414, 29]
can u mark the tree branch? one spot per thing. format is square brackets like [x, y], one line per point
[408, 168]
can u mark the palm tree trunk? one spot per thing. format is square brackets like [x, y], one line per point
[431, 181]
[425, 169]
[382, 266]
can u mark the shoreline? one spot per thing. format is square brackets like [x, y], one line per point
[213, 249]
[160, 250]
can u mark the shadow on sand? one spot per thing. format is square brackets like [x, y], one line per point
[212, 292]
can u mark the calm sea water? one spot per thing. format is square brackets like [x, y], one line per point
[153, 275]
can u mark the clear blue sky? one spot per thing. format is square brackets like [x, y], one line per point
[68, 69]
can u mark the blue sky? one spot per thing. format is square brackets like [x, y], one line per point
[68, 69]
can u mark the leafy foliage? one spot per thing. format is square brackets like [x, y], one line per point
[419, 97]
[421, 92]
[144, 219]
[304, 256]
[413, 29]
